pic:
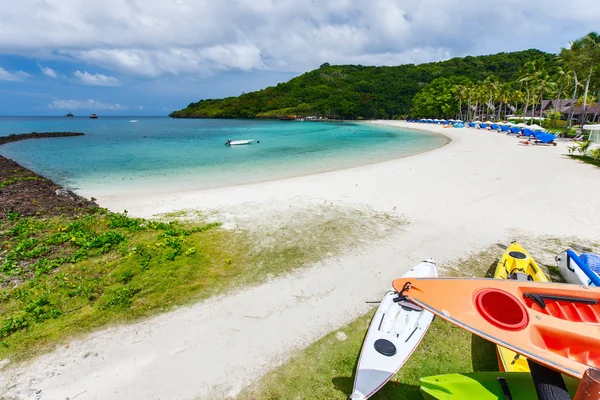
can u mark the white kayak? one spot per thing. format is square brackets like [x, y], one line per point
[238, 142]
[584, 270]
[395, 332]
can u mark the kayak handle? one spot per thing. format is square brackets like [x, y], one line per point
[539, 298]
[505, 388]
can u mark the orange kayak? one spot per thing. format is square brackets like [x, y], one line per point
[557, 325]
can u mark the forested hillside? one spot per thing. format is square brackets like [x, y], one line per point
[355, 91]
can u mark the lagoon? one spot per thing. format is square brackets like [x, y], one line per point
[118, 157]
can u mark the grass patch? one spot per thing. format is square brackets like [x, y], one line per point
[62, 277]
[586, 159]
[325, 370]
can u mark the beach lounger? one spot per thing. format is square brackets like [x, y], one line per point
[515, 130]
[527, 132]
[504, 128]
[540, 139]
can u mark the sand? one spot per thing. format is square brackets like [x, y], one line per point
[479, 189]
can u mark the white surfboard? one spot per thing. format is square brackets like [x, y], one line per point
[395, 332]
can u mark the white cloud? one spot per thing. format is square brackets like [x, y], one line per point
[84, 104]
[198, 37]
[12, 76]
[48, 72]
[96, 79]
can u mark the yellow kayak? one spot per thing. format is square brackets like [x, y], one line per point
[516, 263]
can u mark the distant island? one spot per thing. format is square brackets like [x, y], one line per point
[15, 137]
[360, 92]
[69, 115]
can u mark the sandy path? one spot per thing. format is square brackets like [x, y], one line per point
[474, 191]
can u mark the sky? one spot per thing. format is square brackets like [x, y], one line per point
[150, 57]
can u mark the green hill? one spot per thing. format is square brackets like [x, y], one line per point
[356, 91]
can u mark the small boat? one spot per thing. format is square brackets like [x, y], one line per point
[394, 333]
[553, 324]
[485, 386]
[579, 270]
[238, 142]
[516, 263]
[93, 116]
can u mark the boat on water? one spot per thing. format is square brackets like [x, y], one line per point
[238, 142]
[553, 324]
[394, 333]
[93, 116]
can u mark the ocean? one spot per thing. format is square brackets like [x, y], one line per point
[121, 156]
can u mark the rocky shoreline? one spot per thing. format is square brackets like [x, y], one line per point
[15, 137]
[25, 193]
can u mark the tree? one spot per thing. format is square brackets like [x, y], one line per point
[544, 82]
[438, 99]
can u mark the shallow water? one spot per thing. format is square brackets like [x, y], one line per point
[159, 154]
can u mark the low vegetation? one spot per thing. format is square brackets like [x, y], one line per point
[585, 154]
[63, 276]
[325, 370]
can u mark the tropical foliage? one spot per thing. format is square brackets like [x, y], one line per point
[353, 91]
[469, 88]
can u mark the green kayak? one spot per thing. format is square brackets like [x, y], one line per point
[485, 386]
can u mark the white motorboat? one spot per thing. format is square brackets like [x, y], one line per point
[238, 142]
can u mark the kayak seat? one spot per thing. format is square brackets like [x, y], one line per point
[519, 255]
[520, 276]
[409, 306]
[385, 347]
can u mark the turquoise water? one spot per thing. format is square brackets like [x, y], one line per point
[117, 157]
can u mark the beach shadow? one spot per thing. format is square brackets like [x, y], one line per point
[483, 355]
[491, 269]
[390, 391]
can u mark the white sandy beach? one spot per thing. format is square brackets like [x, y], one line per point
[479, 189]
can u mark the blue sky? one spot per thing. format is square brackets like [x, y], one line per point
[133, 57]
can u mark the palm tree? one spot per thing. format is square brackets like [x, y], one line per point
[544, 82]
[581, 57]
[527, 75]
[491, 83]
[504, 97]
[591, 47]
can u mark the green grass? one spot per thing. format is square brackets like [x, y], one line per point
[586, 159]
[63, 277]
[325, 370]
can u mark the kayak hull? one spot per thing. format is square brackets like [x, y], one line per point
[399, 329]
[570, 272]
[561, 335]
[575, 270]
[484, 386]
[516, 260]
